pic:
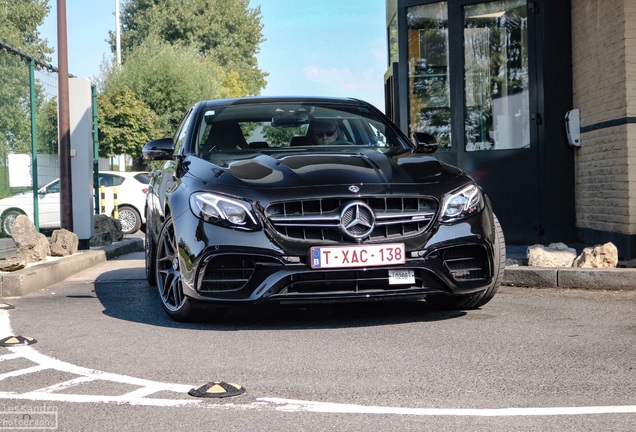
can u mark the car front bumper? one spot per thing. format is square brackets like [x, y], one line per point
[449, 259]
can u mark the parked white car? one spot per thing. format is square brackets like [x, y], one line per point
[131, 199]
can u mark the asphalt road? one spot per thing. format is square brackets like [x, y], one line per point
[107, 358]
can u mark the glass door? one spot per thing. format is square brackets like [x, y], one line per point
[501, 133]
[472, 82]
[496, 97]
[428, 72]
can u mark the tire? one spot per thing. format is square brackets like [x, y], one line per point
[150, 260]
[175, 303]
[8, 218]
[480, 298]
[130, 219]
[168, 276]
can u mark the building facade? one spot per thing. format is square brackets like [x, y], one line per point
[494, 81]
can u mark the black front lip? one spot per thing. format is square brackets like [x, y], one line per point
[283, 282]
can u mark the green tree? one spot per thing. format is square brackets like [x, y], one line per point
[19, 22]
[278, 136]
[47, 132]
[14, 102]
[227, 31]
[125, 125]
[169, 79]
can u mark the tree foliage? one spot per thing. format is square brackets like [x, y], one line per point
[177, 53]
[47, 127]
[227, 31]
[19, 21]
[14, 101]
[169, 79]
[278, 136]
[125, 125]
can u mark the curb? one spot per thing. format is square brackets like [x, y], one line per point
[40, 276]
[566, 277]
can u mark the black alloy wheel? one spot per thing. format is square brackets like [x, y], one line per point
[168, 276]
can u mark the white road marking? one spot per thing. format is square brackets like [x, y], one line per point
[326, 407]
[43, 362]
[147, 388]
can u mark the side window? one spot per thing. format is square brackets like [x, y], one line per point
[117, 180]
[53, 187]
[347, 131]
[105, 180]
[378, 138]
[182, 132]
[143, 178]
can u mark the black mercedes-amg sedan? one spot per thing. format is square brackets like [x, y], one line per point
[300, 200]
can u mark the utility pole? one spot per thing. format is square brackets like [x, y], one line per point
[117, 34]
[121, 157]
[66, 191]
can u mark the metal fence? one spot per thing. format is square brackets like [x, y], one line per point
[29, 161]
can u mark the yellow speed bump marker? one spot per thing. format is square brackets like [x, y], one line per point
[217, 389]
[16, 341]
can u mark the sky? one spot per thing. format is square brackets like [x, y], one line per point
[312, 47]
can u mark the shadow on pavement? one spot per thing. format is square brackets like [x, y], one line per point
[133, 299]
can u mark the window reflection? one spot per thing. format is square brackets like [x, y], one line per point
[496, 76]
[429, 100]
[393, 40]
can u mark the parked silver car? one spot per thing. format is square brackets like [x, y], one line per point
[131, 198]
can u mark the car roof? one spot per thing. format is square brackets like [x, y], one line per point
[281, 99]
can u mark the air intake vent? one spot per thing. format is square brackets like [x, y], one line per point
[468, 263]
[227, 273]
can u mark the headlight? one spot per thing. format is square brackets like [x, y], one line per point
[462, 203]
[221, 210]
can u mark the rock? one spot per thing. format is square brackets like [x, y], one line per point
[107, 231]
[554, 255]
[12, 264]
[515, 262]
[63, 243]
[600, 256]
[31, 245]
[627, 264]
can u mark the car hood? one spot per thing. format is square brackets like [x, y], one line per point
[284, 169]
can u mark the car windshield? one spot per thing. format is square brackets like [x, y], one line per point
[250, 127]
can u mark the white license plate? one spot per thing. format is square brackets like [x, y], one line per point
[357, 256]
[401, 277]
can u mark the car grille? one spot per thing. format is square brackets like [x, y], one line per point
[346, 282]
[319, 219]
[467, 263]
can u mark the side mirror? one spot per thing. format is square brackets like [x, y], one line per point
[424, 142]
[161, 149]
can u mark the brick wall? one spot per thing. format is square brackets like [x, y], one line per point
[604, 86]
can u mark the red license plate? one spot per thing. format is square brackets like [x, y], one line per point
[357, 256]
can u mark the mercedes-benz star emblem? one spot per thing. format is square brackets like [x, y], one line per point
[357, 220]
[354, 189]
